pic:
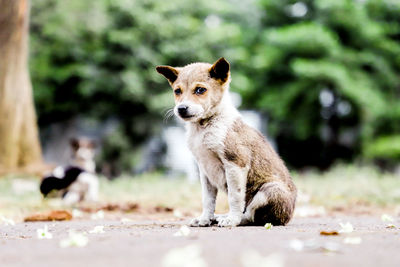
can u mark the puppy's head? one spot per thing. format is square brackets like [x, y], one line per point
[82, 148]
[198, 88]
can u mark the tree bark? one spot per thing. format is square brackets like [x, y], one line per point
[19, 142]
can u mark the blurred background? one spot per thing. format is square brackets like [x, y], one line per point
[320, 78]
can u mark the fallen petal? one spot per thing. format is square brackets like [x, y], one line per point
[330, 247]
[77, 213]
[74, 240]
[98, 215]
[387, 218]
[44, 233]
[183, 231]
[7, 221]
[296, 245]
[99, 229]
[268, 226]
[352, 240]
[126, 220]
[346, 227]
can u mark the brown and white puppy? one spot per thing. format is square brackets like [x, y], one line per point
[76, 181]
[231, 155]
[83, 152]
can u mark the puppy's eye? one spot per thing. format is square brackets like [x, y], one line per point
[200, 90]
[178, 91]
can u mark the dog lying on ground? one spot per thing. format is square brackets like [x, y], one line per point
[77, 181]
[231, 155]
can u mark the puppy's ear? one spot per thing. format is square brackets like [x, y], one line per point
[220, 70]
[169, 72]
[74, 143]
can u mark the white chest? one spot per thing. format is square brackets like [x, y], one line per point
[206, 146]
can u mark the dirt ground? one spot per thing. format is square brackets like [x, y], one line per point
[149, 241]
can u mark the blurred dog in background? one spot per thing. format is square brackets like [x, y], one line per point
[77, 181]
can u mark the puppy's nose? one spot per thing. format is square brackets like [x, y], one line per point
[182, 110]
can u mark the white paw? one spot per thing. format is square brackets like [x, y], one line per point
[230, 220]
[219, 217]
[201, 221]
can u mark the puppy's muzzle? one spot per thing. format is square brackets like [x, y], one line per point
[183, 111]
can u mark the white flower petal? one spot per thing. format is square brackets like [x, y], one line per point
[126, 220]
[352, 240]
[268, 226]
[346, 227]
[296, 245]
[99, 229]
[387, 218]
[44, 233]
[7, 221]
[178, 213]
[77, 213]
[330, 247]
[98, 215]
[74, 240]
[183, 231]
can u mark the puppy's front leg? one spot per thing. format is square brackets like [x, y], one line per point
[209, 194]
[236, 178]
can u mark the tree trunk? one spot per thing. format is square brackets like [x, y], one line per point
[19, 143]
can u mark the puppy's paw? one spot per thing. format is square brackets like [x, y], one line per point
[230, 220]
[201, 221]
[220, 217]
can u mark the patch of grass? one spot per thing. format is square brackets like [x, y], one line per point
[346, 186]
[342, 186]
[155, 189]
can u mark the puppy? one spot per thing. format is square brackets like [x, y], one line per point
[77, 181]
[231, 155]
[83, 152]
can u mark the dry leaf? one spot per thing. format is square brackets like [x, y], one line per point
[54, 215]
[329, 233]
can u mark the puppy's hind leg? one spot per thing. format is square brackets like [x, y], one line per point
[273, 203]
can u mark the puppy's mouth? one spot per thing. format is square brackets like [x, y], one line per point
[186, 116]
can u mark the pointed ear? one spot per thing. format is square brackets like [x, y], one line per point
[74, 143]
[220, 70]
[169, 72]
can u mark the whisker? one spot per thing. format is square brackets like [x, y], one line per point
[169, 114]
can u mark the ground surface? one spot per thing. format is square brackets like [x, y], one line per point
[157, 206]
[143, 242]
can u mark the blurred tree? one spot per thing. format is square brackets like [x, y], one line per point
[19, 142]
[326, 72]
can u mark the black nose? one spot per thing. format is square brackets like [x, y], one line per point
[182, 110]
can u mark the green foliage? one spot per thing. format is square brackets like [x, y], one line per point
[384, 147]
[350, 48]
[97, 58]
